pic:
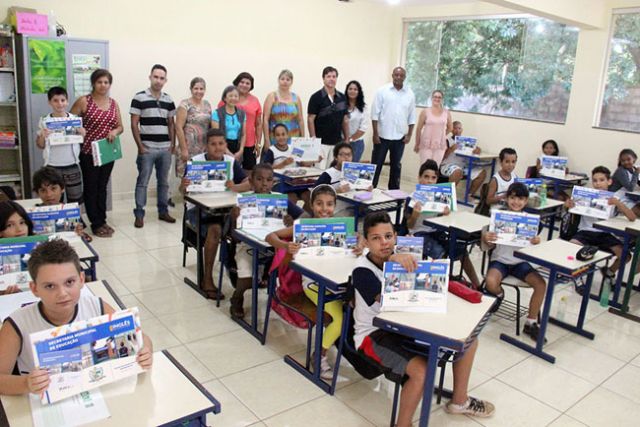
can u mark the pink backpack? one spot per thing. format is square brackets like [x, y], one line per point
[288, 291]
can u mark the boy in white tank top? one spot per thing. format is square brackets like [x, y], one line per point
[502, 179]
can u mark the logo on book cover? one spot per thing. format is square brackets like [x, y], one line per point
[96, 374]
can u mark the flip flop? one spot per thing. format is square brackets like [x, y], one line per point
[102, 232]
[86, 237]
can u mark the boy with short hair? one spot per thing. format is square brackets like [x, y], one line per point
[589, 235]
[57, 280]
[454, 167]
[386, 347]
[211, 226]
[501, 180]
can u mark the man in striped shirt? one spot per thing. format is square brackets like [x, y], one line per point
[153, 127]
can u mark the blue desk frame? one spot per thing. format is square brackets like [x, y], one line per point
[286, 183]
[471, 160]
[92, 260]
[560, 183]
[551, 214]
[370, 207]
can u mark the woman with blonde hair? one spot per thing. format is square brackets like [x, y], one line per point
[434, 124]
[193, 119]
[282, 106]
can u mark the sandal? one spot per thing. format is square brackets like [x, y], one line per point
[102, 232]
[86, 237]
[212, 293]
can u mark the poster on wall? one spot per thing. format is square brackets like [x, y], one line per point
[48, 65]
[83, 65]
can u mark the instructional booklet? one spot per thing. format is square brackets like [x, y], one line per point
[410, 245]
[14, 255]
[322, 237]
[358, 175]
[592, 202]
[105, 152]
[64, 130]
[424, 290]
[207, 176]
[553, 166]
[306, 149]
[86, 354]
[514, 228]
[466, 144]
[533, 185]
[55, 218]
[435, 197]
[262, 211]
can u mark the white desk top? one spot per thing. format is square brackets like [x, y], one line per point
[377, 197]
[461, 220]
[481, 156]
[29, 203]
[99, 289]
[333, 268]
[551, 204]
[160, 396]
[556, 252]
[256, 235]
[82, 248]
[309, 172]
[620, 223]
[224, 199]
[567, 178]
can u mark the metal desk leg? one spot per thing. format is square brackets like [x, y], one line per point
[356, 216]
[624, 310]
[254, 289]
[453, 239]
[199, 258]
[493, 167]
[467, 186]
[398, 209]
[619, 277]
[429, 382]
[579, 327]
[552, 225]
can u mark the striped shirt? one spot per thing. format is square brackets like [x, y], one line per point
[154, 118]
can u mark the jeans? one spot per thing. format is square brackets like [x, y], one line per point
[95, 180]
[358, 149]
[379, 155]
[161, 159]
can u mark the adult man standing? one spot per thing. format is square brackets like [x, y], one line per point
[328, 116]
[153, 127]
[393, 116]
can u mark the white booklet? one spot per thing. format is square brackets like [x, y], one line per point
[423, 290]
[435, 197]
[466, 144]
[306, 149]
[84, 408]
[553, 166]
[359, 175]
[64, 130]
[514, 228]
[592, 202]
[411, 245]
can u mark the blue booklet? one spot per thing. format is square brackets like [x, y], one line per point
[466, 144]
[591, 202]
[14, 253]
[359, 175]
[533, 184]
[423, 290]
[435, 197]
[262, 210]
[327, 236]
[553, 166]
[55, 218]
[207, 176]
[410, 245]
[514, 228]
[64, 130]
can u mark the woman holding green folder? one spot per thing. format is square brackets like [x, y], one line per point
[101, 119]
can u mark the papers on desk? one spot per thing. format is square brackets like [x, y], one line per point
[591, 202]
[63, 130]
[410, 245]
[322, 237]
[84, 408]
[435, 197]
[514, 228]
[207, 176]
[262, 210]
[424, 290]
[466, 144]
[306, 149]
[54, 218]
[359, 175]
[553, 166]
[89, 353]
[14, 255]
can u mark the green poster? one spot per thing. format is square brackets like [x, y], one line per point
[48, 65]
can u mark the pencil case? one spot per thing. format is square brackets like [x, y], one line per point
[363, 195]
[467, 294]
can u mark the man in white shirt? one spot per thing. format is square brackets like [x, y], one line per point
[393, 117]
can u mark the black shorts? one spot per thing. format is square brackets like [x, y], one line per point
[600, 239]
[386, 348]
[248, 158]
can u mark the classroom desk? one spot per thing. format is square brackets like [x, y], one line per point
[330, 273]
[456, 223]
[633, 195]
[258, 246]
[553, 255]
[87, 255]
[215, 204]
[288, 183]
[482, 159]
[454, 330]
[549, 211]
[624, 309]
[568, 181]
[378, 202]
[167, 395]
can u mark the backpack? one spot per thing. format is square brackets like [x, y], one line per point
[289, 288]
[483, 208]
[568, 225]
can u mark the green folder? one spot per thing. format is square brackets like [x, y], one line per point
[105, 152]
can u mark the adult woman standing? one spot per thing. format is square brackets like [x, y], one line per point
[434, 124]
[101, 119]
[193, 119]
[232, 121]
[358, 118]
[282, 106]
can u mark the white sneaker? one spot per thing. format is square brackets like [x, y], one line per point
[326, 372]
[473, 407]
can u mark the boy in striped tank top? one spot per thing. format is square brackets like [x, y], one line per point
[501, 180]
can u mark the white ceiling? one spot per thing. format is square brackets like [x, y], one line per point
[417, 2]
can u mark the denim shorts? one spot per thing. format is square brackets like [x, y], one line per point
[519, 270]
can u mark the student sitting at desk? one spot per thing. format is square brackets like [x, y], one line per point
[342, 152]
[57, 281]
[386, 348]
[503, 263]
[626, 175]
[454, 167]
[435, 242]
[589, 235]
[502, 179]
[549, 148]
[261, 179]
[14, 222]
[212, 226]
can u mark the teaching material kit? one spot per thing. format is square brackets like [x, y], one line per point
[262, 211]
[64, 130]
[413, 246]
[207, 176]
[466, 144]
[514, 228]
[14, 255]
[553, 166]
[306, 149]
[435, 197]
[322, 236]
[423, 290]
[358, 175]
[105, 152]
[592, 202]
[55, 218]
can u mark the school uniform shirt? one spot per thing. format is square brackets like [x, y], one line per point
[237, 173]
[31, 318]
[59, 155]
[275, 155]
[420, 225]
[367, 280]
[503, 185]
[334, 177]
[452, 159]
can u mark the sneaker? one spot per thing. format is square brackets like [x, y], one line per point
[533, 330]
[326, 372]
[473, 407]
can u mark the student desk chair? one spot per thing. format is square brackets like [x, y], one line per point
[634, 195]
[568, 181]
[624, 309]
[559, 257]
[454, 330]
[549, 211]
[289, 182]
[482, 159]
[378, 202]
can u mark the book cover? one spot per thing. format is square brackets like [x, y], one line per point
[424, 290]
[86, 354]
[320, 237]
[514, 228]
[591, 202]
[553, 166]
[306, 149]
[207, 177]
[466, 144]
[14, 255]
[64, 130]
[55, 218]
[262, 211]
[533, 185]
[358, 175]
[410, 245]
[105, 152]
[435, 197]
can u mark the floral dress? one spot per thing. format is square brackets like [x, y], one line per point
[195, 130]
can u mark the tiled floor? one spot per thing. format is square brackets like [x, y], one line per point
[594, 383]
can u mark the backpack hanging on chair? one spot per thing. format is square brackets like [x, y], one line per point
[289, 288]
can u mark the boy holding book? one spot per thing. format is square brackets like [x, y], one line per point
[57, 280]
[453, 167]
[211, 226]
[386, 348]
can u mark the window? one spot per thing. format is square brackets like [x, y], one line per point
[515, 67]
[620, 107]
